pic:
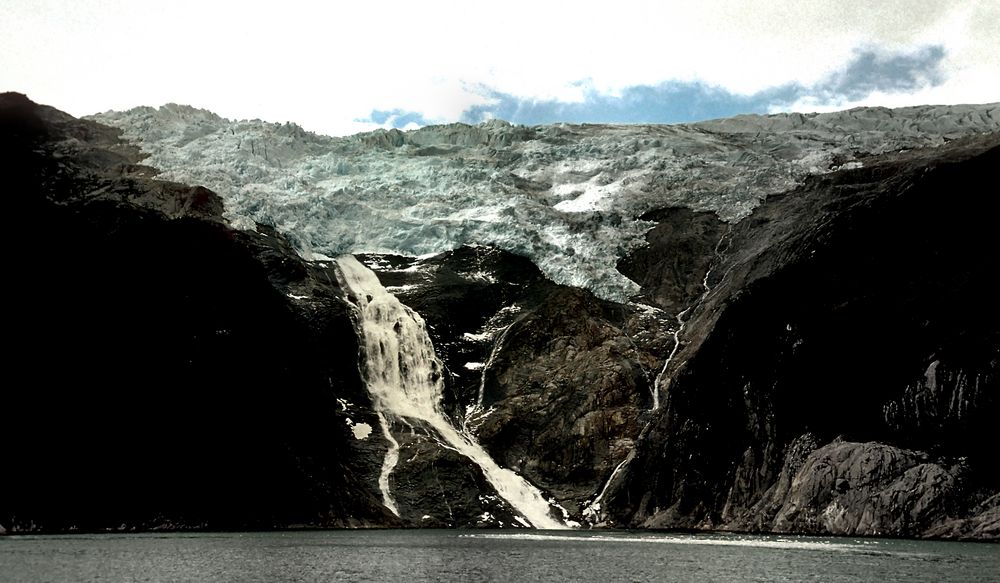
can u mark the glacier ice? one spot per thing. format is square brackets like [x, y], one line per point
[569, 197]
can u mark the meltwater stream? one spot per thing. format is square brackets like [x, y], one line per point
[403, 375]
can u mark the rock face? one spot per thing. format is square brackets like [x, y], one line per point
[858, 489]
[811, 345]
[855, 307]
[547, 378]
[866, 489]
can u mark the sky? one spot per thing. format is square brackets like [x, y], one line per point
[339, 67]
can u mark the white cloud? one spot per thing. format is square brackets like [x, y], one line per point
[324, 64]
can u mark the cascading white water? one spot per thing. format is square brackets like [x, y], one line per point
[592, 512]
[403, 375]
[681, 319]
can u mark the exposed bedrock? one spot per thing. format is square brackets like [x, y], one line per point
[437, 487]
[550, 379]
[857, 307]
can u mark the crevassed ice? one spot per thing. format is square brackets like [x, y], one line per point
[568, 197]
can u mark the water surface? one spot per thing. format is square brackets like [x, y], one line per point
[482, 556]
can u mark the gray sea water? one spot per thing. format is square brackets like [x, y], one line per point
[481, 556]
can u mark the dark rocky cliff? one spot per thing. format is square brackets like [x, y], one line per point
[158, 371]
[841, 373]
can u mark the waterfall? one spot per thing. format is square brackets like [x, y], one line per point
[404, 378]
[592, 511]
[681, 317]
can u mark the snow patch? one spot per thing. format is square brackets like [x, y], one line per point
[648, 310]
[480, 276]
[314, 256]
[361, 430]
[590, 196]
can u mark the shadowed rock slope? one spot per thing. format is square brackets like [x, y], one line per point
[840, 373]
[158, 373]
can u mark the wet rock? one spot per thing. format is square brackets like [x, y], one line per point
[434, 486]
[742, 512]
[679, 253]
[546, 377]
[567, 389]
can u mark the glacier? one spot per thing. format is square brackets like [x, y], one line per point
[569, 197]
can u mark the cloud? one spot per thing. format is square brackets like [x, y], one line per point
[395, 118]
[869, 71]
[326, 65]
[875, 70]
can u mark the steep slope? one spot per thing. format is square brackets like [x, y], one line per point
[164, 370]
[857, 308]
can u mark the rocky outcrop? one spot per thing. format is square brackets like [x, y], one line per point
[857, 489]
[679, 253]
[867, 489]
[982, 523]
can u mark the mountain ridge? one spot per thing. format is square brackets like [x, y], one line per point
[568, 197]
[844, 320]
